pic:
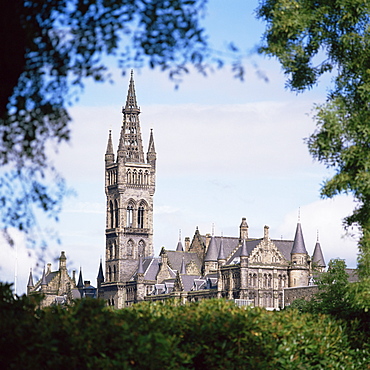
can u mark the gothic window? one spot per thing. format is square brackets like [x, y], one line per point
[134, 177]
[146, 177]
[254, 279]
[130, 247]
[269, 280]
[114, 273]
[128, 177]
[140, 177]
[116, 213]
[140, 217]
[111, 215]
[111, 252]
[109, 273]
[130, 214]
[141, 248]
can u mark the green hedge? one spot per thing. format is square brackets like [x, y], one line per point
[212, 334]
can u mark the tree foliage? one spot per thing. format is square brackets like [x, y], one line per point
[311, 38]
[51, 47]
[212, 334]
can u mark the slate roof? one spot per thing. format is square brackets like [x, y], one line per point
[298, 244]
[188, 281]
[175, 259]
[212, 250]
[229, 243]
[318, 256]
[284, 246]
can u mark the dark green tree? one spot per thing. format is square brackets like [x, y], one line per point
[310, 38]
[48, 48]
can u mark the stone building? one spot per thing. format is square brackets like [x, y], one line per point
[253, 271]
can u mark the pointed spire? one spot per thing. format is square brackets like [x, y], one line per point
[151, 147]
[30, 280]
[212, 250]
[179, 247]
[130, 148]
[298, 244]
[221, 253]
[151, 155]
[80, 283]
[183, 267]
[244, 250]
[109, 154]
[43, 279]
[100, 273]
[318, 257]
[140, 269]
[131, 103]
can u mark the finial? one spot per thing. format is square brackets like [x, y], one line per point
[132, 73]
[317, 235]
[179, 235]
[299, 214]
[213, 229]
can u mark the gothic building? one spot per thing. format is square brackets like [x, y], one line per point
[253, 271]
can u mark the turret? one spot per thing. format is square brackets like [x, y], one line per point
[80, 284]
[299, 266]
[318, 261]
[210, 260]
[221, 259]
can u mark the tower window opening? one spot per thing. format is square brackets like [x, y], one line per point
[130, 213]
[140, 218]
[111, 215]
[116, 213]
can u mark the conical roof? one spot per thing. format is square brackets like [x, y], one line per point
[30, 280]
[212, 252]
[80, 283]
[100, 273]
[221, 252]
[43, 279]
[179, 247]
[318, 257]
[298, 244]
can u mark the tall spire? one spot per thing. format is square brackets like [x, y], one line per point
[130, 148]
[298, 244]
[100, 273]
[151, 155]
[131, 103]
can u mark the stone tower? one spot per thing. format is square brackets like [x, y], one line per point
[129, 188]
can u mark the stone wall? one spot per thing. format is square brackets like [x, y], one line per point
[306, 292]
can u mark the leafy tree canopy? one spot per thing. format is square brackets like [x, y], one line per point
[311, 38]
[48, 48]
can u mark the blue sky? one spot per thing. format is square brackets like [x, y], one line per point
[225, 149]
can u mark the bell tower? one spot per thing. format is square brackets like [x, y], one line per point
[129, 188]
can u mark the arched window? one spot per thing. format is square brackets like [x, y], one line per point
[129, 177]
[130, 214]
[130, 247]
[140, 217]
[140, 177]
[111, 215]
[146, 176]
[116, 213]
[111, 252]
[109, 273]
[134, 177]
[114, 273]
[141, 248]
